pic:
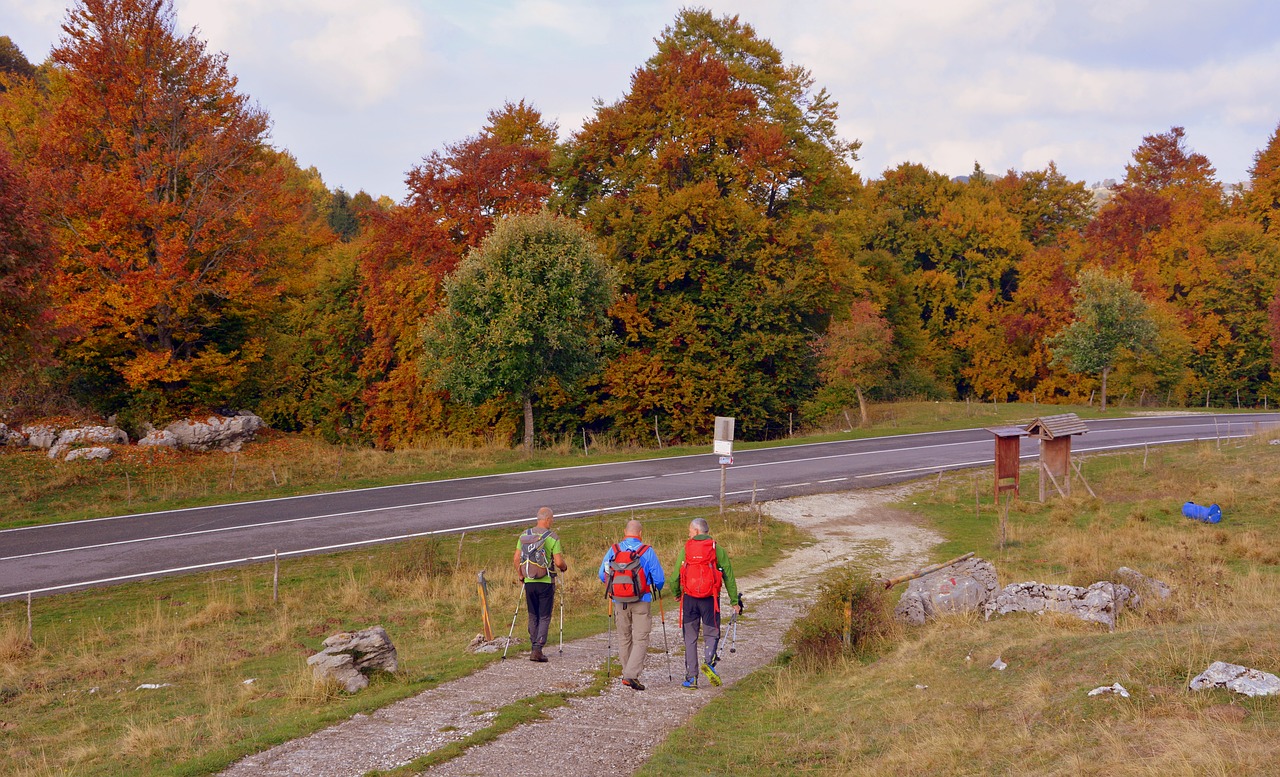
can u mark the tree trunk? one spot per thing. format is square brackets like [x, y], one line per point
[1105, 370]
[862, 406]
[528, 423]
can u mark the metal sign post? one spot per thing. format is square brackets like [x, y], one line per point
[723, 447]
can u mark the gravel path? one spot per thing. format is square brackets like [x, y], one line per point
[854, 526]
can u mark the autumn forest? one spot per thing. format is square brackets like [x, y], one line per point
[159, 257]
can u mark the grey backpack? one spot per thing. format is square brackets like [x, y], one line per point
[533, 553]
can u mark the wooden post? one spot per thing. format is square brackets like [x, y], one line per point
[30, 641]
[235, 459]
[128, 488]
[275, 580]
[724, 476]
[457, 564]
[756, 510]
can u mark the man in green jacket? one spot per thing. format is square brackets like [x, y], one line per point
[704, 569]
[538, 554]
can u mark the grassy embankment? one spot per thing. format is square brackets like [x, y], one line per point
[70, 698]
[35, 489]
[928, 702]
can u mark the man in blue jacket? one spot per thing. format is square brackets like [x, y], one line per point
[632, 577]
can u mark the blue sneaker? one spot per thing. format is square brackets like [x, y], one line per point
[709, 671]
[692, 682]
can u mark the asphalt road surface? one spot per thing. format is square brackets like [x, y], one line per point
[41, 560]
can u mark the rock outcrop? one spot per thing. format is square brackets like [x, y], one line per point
[100, 435]
[227, 433]
[1099, 603]
[347, 656]
[89, 454]
[963, 587]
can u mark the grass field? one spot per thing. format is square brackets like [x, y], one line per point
[928, 701]
[71, 703]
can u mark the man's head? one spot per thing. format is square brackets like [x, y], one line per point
[699, 526]
[633, 529]
[545, 517]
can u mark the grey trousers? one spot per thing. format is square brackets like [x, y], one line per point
[699, 614]
[634, 623]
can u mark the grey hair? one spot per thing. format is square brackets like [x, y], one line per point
[701, 525]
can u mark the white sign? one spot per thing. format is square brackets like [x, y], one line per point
[726, 461]
[723, 444]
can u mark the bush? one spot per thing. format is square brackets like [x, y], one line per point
[850, 617]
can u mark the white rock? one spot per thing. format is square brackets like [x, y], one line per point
[1114, 688]
[159, 438]
[89, 454]
[1233, 677]
[152, 686]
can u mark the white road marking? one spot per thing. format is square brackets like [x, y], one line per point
[284, 521]
[328, 548]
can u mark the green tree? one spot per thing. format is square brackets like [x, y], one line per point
[1110, 319]
[856, 352]
[527, 306]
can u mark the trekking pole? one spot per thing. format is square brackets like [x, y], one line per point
[666, 648]
[561, 651]
[608, 662]
[733, 639]
[512, 630]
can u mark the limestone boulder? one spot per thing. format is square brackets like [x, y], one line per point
[963, 587]
[1233, 677]
[11, 437]
[86, 434]
[348, 656]
[227, 433]
[89, 454]
[158, 438]
[1142, 586]
[1099, 603]
[40, 435]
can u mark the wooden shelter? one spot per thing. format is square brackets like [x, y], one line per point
[1008, 457]
[1055, 433]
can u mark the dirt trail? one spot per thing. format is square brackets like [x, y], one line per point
[597, 733]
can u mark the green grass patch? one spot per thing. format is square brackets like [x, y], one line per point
[70, 704]
[932, 704]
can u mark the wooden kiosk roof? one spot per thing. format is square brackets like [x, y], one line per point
[1052, 427]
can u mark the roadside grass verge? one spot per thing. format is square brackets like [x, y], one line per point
[932, 704]
[35, 489]
[70, 701]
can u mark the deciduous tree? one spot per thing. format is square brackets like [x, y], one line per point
[1110, 317]
[528, 306]
[167, 205]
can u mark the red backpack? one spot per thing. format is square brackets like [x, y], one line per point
[700, 574]
[627, 581]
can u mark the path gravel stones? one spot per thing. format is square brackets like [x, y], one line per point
[596, 734]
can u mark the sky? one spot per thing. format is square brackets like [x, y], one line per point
[364, 90]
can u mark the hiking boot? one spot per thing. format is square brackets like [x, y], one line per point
[633, 684]
[537, 656]
[692, 682]
[710, 673]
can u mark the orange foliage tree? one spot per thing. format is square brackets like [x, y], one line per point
[166, 207]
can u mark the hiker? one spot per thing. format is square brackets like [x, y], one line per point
[632, 576]
[704, 567]
[533, 549]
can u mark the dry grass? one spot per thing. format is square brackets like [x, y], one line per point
[932, 704]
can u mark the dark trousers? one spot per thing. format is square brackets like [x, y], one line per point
[541, 598]
[699, 614]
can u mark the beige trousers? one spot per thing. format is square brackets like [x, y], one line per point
[634, 624]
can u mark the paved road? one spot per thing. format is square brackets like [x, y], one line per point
[58, 557]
